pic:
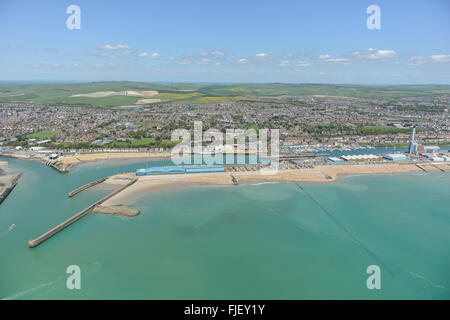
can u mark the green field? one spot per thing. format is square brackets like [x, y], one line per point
[61, 93]
[43, 135]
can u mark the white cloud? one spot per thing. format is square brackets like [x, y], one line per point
[243, 60]
[417, 60]
[261, 55]
[287, 63]
[154, 55]
[324, 56]
[217, 53]
[440, 58]
[338, 60]
[302, 64]
[329, 58]
[436, 58]
[114, 47]
[374, 54]
[205, 57]
[205, 61]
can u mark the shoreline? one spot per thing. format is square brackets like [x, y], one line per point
[65, 164]
[87, 157]
[319, 174]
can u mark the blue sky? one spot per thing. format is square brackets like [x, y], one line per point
[227, 41]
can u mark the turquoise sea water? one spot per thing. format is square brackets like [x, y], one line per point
[256, 241]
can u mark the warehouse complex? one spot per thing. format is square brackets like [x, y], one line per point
[178, 170]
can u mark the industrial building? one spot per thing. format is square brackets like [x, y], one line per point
[178, 170]
[361, 158]
[431, 149]
[416, 148]
[395, 156]
[435, 157]
[160, 170]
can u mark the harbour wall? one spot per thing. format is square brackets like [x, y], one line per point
[86, 186]
[35, 242]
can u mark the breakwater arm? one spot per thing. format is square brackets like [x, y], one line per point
[86, 186]
[234, 180]
[5, 190]
[35, 242]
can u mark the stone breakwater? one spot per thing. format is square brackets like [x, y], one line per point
[6, 189]
[35, 242]
[86, 186]
[119, 210]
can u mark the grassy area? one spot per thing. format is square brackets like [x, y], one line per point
[60, 93]
[143, 142]
[43, 135]
[148, 123]
[240, 90]
[170, 96]
[371, 130]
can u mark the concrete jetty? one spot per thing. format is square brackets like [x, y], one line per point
[234, 180]
[86, 186]
[7, 188]
[58, 166]
[35, 242]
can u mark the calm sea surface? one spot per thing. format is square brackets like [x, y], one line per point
[256, 241]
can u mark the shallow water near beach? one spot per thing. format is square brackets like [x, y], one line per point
[253, 241]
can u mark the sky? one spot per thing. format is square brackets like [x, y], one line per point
[290, 41]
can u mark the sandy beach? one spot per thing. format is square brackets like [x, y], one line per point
[326, 173]
[105, 156]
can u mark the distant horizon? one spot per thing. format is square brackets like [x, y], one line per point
[12, 82]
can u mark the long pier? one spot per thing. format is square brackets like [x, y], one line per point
[35, 242]
[86, 186]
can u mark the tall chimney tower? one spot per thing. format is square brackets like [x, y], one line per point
[413, 145]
